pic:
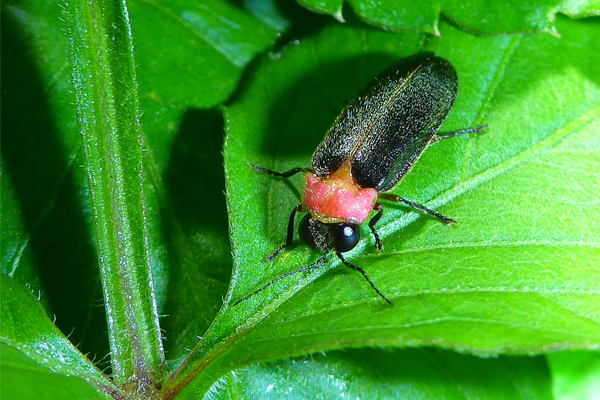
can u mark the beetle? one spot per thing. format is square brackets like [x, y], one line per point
[372, 144]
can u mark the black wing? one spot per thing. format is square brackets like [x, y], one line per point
[386, 128]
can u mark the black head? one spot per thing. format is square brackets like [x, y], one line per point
[337, 237]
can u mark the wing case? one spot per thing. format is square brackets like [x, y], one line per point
[386, 128]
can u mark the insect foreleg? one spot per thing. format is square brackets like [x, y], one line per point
[290, 234]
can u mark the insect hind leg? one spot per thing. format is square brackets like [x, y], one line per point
[417, 206]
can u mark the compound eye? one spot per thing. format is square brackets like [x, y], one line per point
[346, 237]
[307, 235]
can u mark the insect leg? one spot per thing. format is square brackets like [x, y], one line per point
[447, 135]
[416, 206]
[285, 174]
[372, 223]
[364, 274]
[280, 277]
[290, 234]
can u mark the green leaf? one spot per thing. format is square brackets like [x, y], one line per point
[34, 350]
[395, 374]
[535, 92]
[331, 7]
[490, 17]
[516, 275]
[46, 238]
[195, 60]
[18, 373]
[575, 375]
